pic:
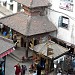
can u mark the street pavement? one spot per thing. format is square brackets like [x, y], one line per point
[9, 67]
[11, 61]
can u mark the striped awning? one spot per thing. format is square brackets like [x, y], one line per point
[6, 46]
[7, 52]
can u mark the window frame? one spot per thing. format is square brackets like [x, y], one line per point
[63, 22]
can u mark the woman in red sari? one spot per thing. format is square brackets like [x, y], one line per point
[18, 69]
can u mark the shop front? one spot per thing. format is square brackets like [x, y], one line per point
[9, 33]
[3, 61]
[5, 31]
[65, 65]
[2, 65]
[6, 47]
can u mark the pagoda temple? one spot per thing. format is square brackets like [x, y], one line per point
[32, 21]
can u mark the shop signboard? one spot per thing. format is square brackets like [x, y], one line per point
[66, 5]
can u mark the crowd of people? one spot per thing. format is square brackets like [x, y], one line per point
[34, 68]
[20, 70]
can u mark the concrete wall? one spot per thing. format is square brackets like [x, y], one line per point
[53, 14]
[10, 3]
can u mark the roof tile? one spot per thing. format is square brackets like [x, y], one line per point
[33, 3]
[28, 25]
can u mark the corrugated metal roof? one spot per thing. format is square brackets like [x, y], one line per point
[28, 25]
[33, 3]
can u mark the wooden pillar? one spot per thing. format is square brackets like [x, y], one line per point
[27, 47]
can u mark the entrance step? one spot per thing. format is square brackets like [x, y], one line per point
[15, 57]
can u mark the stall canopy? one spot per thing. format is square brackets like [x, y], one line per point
[6, 46]
[50, 49]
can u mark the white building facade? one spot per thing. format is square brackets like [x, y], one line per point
[11, 5]
[61, 13]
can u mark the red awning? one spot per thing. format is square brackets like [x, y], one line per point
[6, 52]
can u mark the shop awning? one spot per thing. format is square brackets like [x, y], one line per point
[6, 46]
[56, 49]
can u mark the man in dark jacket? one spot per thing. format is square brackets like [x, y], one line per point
[24, 68]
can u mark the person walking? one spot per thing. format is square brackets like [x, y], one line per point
[15, 40]
[17, 69]
[23, 70]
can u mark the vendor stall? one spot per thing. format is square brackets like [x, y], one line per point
[49, 51]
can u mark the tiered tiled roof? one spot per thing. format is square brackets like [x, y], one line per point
[28, 25]
[33, 3]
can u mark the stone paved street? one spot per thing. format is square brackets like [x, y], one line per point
[10, 62]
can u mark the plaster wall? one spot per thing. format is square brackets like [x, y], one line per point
[54, 12]
[10, 3]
